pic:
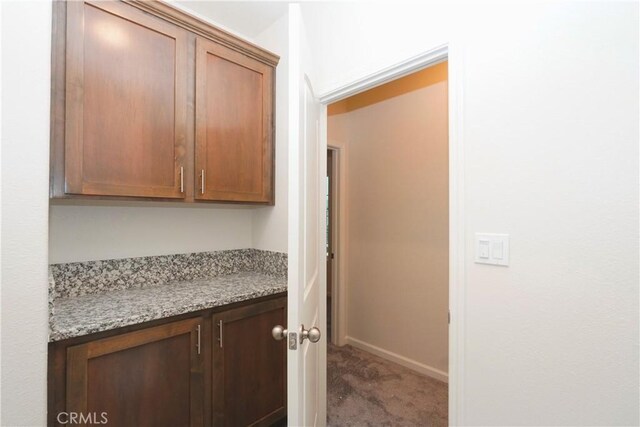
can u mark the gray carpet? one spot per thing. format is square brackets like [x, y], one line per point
[366, 390]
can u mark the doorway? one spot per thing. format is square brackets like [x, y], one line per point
[398, 255]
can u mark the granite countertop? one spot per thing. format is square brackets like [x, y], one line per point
[82, 315]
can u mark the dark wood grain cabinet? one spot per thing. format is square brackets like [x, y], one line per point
[126, 102]
[150, 377]
[233, 125]
[217, 367]
[249, 366]
[149, 102]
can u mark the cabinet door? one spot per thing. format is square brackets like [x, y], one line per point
[234, 129]
[150, 377]
[249, 366]
[126, 102]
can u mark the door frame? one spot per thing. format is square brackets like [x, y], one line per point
[453, 53]
[339, 266]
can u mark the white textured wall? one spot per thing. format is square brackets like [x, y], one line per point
[551, 140]
[351, 40]
[397, 226]
[83, 233]
[550, 133]
[270, 224]
[26, 40]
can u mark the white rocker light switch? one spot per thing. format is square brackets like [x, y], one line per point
[492, 249]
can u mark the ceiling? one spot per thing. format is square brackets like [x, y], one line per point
[248, 18]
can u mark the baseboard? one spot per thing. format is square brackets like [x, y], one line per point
[400, 360]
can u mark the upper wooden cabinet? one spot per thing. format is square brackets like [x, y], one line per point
[126, 102]
[150, 102]
[234, 147]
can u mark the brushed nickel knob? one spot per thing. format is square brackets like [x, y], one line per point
[278, 332]
[312, 334]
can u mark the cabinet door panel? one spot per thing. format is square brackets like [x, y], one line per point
[126, 102]
[249, 373]
[149, 377]
[234, 147]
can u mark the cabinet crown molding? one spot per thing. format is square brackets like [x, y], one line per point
[205, 29]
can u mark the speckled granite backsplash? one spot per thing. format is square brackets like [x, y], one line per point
[95, 277]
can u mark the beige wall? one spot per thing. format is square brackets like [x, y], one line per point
[396, 138]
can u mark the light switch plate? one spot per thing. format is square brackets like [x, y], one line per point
[492, 248]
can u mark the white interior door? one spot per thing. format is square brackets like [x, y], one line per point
[307, 263]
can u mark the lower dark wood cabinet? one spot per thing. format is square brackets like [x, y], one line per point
[216, 367]
[151, 377]
[249, 366]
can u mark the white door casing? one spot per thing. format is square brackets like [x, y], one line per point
[306, 365]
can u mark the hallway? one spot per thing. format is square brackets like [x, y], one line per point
[366, 390]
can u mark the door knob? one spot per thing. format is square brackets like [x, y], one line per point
[313, 334]
[278, 332]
